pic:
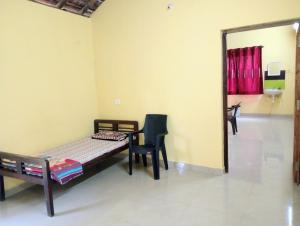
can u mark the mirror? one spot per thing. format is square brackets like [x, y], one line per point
[274, 69]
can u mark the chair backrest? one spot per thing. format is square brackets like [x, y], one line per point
[154, 125]
[236, 108]
[232, 111]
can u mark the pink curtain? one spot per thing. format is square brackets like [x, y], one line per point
[244, 71]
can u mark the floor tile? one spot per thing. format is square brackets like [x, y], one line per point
[258, 190]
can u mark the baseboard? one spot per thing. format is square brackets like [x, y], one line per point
[180, 166]
[263, 115]
[17, 189]
[197, 168]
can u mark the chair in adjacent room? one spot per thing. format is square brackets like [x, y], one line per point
[155, 130]
[231, 116]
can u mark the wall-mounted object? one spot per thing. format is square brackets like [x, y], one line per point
[273, 93]
[274, 68]
[274, 76]
[274, 80]
[170, 6]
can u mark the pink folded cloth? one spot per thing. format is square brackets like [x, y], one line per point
[62, 170]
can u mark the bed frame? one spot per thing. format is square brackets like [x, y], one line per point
[46, 181]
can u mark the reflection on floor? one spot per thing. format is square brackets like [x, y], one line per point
[257, 192]
[261, 154]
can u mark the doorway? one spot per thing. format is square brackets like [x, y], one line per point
[225, 101]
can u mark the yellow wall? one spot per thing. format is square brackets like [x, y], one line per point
[279, 46]
[154, 60]
[47, 86]
[160, 61]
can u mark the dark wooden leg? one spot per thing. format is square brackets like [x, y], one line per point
[48, 188]
[144, 160]
[164, 154]
[130, 163]
[155, 165]
[2, 191]
[49, 198]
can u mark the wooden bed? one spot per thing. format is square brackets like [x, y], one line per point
[45, 180]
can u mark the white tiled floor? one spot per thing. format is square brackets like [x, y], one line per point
[258, 191]
[261, 155]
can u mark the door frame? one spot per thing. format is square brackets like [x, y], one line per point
[224, 33]
[296, 157]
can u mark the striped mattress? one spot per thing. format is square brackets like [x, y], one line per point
[83, 150]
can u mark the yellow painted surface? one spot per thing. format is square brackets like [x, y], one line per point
[279, 46]
[160, 61]
[152, 59]
[47, 87]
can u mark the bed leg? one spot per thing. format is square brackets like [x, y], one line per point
[48, 189]
[49, 199]
[2, 191]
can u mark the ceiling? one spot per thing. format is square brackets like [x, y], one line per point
[80, 7]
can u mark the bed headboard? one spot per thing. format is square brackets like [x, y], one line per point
[115, 125]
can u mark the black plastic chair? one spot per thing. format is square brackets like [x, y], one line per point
[155, 129]
[231, 117]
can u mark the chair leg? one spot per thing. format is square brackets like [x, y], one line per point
[155, 165]
[130, 163]
[137, 158]
[144, 160]
[164, 154]
[233, 128]
[2, 191]
[235, 124]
